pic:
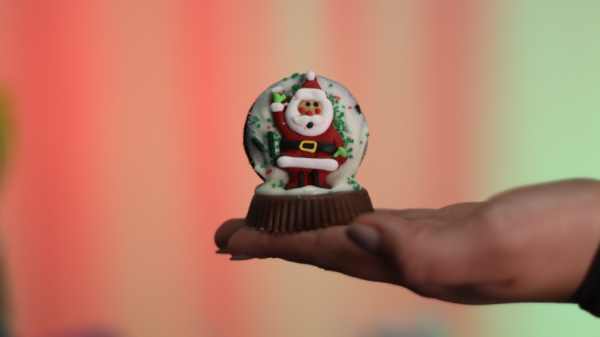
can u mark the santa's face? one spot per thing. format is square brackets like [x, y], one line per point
[309, 108]
[309, 117]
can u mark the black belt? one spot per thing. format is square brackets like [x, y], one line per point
[307, 146]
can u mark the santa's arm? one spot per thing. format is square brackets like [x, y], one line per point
[278, 111]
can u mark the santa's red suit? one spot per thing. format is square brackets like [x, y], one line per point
[308, 142]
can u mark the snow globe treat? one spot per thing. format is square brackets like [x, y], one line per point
[306, 137]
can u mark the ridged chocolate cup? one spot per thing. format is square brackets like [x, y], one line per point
[282, 213]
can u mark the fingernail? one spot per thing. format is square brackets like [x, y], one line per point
[222, 251]
[241, 257]
[367, 238]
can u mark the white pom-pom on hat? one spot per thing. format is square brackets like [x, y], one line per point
[310, 75]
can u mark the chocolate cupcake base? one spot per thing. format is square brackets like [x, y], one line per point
[300, 213]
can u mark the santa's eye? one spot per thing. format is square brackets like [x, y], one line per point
[316, 104]
[307, 103]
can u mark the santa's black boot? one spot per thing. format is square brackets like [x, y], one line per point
[301, 179]
[319, 180]
[297, 179]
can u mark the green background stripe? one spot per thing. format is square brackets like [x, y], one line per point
[540, 122]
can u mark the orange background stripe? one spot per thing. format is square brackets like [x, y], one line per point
[129, 156]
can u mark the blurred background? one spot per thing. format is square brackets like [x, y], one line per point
[125, 122]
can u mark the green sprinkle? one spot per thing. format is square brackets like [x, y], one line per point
[280, 183]
[296, 87]
[263, 166]
[352, 176]
[268, 120]
[299, 197]
[253, 132]
[272, 185]
[350, 156]
[331, 98]
[271, 144]
[294, 75]
[367, 134]
[330, 192]
[361, 141]
[302, 76]
[258, 126]
[343, 107]
[285, 79]
[258, 144]
[256, 119]
[330, 85]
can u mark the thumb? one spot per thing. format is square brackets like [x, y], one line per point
[383, 234]
[419, 252]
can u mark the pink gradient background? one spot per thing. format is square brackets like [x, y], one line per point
[128, 155]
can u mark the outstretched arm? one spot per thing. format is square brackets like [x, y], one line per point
[532, 244]
[278, 110]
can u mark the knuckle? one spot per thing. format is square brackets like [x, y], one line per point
[502, 232]
[323, 244]
[492, 214]
[269, 250]
[411, 261]
[313, 257]
[413, 273]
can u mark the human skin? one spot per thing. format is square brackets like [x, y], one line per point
[530, 244]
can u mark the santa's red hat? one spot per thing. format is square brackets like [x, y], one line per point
[311, 90]
[311, 81]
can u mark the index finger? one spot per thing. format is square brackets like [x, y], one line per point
[226, 231]
[229, 227]
[327, 248]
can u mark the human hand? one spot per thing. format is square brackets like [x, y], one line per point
[531, 244]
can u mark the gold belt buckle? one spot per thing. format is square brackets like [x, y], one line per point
[313, 150]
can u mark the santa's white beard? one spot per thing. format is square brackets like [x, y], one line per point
[300, 125]
[304, 120]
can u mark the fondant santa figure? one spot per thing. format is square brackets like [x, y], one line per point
[310, 147]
